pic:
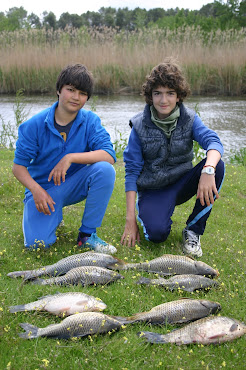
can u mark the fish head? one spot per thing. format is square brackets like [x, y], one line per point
[214, 307]
[206, 270]
[117, 276]
[238, 327]
[100, 306]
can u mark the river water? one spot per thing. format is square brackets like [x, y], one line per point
[225, 115]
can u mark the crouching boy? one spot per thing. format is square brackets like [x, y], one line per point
[64, 156]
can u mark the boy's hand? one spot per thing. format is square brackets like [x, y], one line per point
[207, 189]
[130, 234]
[43, 201]
[60, 170]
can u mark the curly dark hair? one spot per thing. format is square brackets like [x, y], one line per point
[78, 76]
[166, 74]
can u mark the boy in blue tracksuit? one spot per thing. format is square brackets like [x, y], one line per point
[158, 163]
[63, 155]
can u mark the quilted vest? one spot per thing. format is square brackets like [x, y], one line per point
[165, 160]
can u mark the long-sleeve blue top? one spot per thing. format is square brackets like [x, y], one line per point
[40, 146]
[134, 160]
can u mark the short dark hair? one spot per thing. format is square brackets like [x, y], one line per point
[166, 74]
[78, 76]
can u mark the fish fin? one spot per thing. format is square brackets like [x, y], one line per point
[47, 296]
[29, 275]
[217, 336]
[143, 280]
[151, 337]
[31, 331]
[190, 257]
[190, 290]
[18, 308]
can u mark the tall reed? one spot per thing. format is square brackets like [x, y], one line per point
[214, 62]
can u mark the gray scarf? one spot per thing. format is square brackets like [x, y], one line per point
[167, 124]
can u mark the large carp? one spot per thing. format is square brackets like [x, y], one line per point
[65, 264]
[170, 264]
[84, 275]
[189, 283]
[213, 329]
[78, 325]
[182, 310]
[63, 304]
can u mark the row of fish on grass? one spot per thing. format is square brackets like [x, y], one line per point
[97, 268]
[205, 330]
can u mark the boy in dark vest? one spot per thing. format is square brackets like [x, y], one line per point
[158, 163]
[64, 156]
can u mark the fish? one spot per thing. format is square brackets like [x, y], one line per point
[63, 304]
[169, 264]
[84, 275]
[65, 264]
[78, 325]
[180, 311]
[188, 283]
[212, 329]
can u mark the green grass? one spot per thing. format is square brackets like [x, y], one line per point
[223, 246]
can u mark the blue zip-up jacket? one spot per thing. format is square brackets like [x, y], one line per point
[133, 154]
[40, 146]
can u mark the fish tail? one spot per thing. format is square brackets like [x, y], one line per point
[119, 265]
[15, 274]
[31, 331]
[151, 337]
[144, 280]
[124, 320]
[18, 308]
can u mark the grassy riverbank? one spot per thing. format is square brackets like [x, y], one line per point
[223, 246]
[214, 62]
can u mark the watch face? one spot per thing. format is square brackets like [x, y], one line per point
[208, 170]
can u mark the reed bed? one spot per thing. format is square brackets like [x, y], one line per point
[215, 62]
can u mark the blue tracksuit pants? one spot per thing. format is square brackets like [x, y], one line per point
[93, 182]
[156, 207]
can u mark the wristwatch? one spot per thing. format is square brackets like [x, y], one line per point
[209, 170]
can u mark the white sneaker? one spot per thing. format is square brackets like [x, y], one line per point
[191, 243]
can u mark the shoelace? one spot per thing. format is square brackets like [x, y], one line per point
[192, 239]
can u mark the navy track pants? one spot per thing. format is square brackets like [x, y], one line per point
[156, 207]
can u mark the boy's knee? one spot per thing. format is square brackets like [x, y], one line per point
[158, 235]
[107, 171]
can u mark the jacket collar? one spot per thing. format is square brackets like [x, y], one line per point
[51, 117]
[147, 116]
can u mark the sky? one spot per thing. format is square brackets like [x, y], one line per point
[82, 6]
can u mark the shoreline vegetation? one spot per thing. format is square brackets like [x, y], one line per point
[214, 62]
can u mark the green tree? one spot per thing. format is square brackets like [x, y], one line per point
[16, 18]
[49, 20]
[140, 17]
[34, 21]
[70, 20]
[108, 16]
